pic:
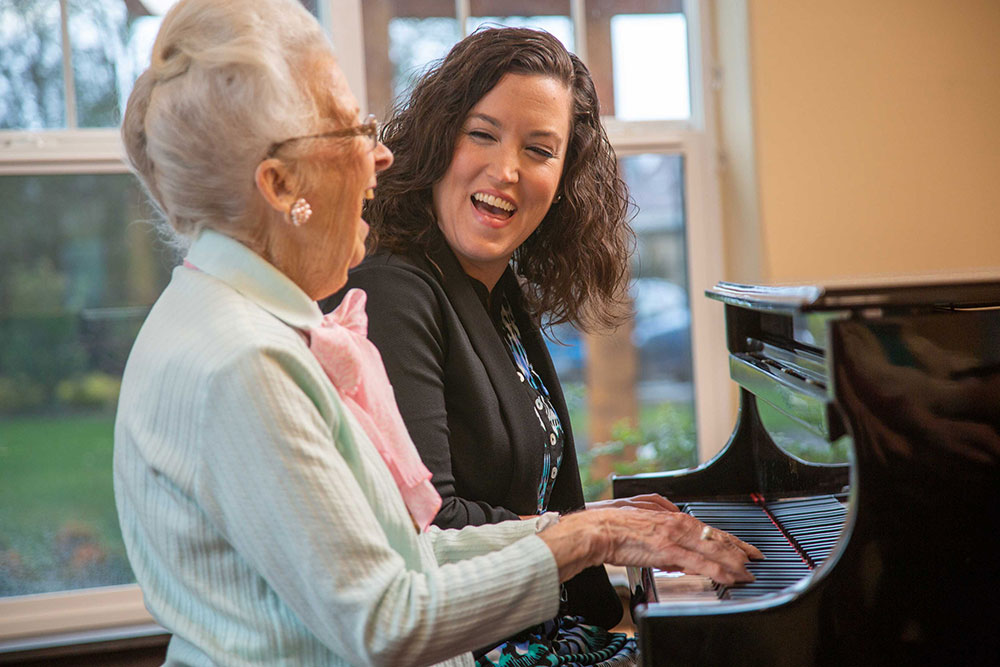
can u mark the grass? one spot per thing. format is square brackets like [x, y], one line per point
[58, 524]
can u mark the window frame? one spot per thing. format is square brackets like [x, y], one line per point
[695, 139]
[40, 620]
[89, 151]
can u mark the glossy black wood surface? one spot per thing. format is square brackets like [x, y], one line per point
[916, 579]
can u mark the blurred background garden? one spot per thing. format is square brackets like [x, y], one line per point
[81, 261]
[78, 271]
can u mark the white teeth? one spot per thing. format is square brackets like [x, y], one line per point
[494, 201]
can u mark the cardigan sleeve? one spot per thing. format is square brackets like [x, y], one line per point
[308, 518]
[406, 324]
[472, 541]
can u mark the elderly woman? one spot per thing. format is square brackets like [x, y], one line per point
[500, 155]
[273, 508]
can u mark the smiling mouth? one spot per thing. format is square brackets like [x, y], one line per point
[495, 206]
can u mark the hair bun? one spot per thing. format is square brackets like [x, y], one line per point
[169, 63]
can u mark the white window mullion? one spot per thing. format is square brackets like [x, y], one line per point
[69, 95]
[698, 35]
[715, 406]
[343, 20]
[578, 15]
[462, 12]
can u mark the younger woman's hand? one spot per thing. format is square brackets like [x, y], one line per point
[646, 501]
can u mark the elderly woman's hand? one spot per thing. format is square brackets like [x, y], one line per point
[647, 538]
[645, 501]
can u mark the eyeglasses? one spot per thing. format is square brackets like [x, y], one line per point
[369, 128]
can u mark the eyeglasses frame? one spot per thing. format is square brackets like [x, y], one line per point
[370, 128]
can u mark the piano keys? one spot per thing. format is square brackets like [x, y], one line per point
[893, 558]
[796, 536]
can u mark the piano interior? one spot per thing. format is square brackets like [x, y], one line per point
[890, 558]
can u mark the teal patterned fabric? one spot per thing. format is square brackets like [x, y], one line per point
[566, 641]
[548, 420]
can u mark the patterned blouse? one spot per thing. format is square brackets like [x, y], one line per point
[550, 427]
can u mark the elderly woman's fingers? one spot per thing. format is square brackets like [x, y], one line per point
[723, 563]
[647, 538]
[662, 539]
[696, 563]
[714, 534]
[728, 552]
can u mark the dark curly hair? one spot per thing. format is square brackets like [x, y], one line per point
[574, 267]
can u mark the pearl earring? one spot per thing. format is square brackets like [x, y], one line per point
[300, 212]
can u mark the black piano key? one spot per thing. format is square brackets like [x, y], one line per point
[794, 534]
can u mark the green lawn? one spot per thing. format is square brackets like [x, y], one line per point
[58, 526]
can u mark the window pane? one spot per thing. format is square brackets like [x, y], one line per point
[650, 424]
[98, 35]
[414, 44]
[662, 329]
[31, 77]
[649, 52]
[110, 44]
[637, 53]
[77, 276]
[551, 16]
[401, 38]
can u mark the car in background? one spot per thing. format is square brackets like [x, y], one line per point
[661, 332]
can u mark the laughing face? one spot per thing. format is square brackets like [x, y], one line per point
[504, 172]
[336, 232]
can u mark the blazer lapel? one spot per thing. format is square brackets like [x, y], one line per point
[515, 404]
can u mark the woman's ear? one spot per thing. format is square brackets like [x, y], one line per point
[274, 183]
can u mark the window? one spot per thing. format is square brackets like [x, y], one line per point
[639, 387]
[76, 278]
[80, 265]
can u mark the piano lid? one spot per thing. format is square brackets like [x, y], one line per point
[965, 290]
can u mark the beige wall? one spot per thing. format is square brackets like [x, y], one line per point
[874, 142]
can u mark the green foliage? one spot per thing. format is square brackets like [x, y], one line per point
[45, 348]
[93, 390]
[665, 440]
[20, 394]
[798, 440]
[826, 452]
[39, 289]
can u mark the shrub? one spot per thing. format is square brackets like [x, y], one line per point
[20, 394]
[669, 444]
[93, 390]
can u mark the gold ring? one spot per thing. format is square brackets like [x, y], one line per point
[707, 533]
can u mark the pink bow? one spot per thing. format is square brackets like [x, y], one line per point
[355, 367]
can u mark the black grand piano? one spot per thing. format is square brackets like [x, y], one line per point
[892, 558]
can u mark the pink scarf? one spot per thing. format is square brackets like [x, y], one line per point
[353, 364]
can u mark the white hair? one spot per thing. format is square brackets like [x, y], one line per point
[225, 81]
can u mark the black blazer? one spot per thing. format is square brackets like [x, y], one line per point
[471, 419]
